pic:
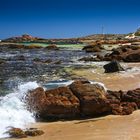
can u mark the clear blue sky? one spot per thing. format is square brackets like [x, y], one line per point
[67, 18]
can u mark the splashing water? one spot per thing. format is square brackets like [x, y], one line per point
[13, 110]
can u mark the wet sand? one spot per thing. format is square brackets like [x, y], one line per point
[102, 128]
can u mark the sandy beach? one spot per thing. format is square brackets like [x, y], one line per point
[103, 128]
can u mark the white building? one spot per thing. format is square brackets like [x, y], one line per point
[132, 36]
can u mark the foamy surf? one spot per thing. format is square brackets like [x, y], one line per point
[13, 112]
[57, 83]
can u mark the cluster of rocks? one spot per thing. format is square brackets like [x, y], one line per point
[18, 46]
[124, 53]
[19, 133]
[127, 53]
[32, 46]
[81, 99]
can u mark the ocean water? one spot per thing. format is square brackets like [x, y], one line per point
[13, 111]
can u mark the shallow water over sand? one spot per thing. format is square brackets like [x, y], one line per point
[125, 80]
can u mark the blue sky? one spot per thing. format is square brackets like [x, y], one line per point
[67, 18]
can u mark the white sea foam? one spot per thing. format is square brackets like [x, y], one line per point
[13, 110]
[57, 83]
[61, 82]
[99, 83]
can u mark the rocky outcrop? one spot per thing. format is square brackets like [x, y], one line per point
[96, 47]
[133, 57]
[118, 105]
[62, 103]
[130, 53]
[125, 53]
[55, 103]
[82, 99]
[113, 66]
[132, 96]
[23, 38]
[79, 99]
[52, 47]
[19, 46]
[92, 98]
[37, 101]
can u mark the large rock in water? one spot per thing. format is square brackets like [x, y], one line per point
[113, 66]
[96, 47]
[82, 99]
[36, 101]
[92, 98]
[55, 103]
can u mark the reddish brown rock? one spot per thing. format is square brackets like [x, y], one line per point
[92, 98]
[20, 46]
[19, 133]
[82, 98]
[23, 38]
[118, 105]
[52, 47]
[16, 133]
[124, 53]
[36, 100]
[124, 108]
[96, 47]
[55, 103]
[134, 57]
[132, 96]
[33, 132]
[62, 103]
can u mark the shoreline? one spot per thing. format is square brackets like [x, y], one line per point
[90, 129]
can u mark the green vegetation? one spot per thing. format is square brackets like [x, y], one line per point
[137, 34]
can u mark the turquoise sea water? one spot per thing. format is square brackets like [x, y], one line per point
[71, 46]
